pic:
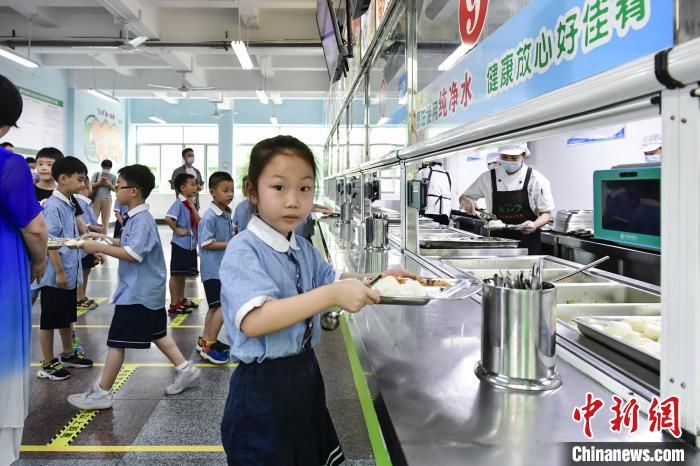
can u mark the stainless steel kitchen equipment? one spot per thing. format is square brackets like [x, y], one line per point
[518, 338]
[377, 232]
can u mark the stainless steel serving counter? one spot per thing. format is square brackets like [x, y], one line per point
[419, 363]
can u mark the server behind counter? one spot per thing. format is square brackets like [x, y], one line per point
[439, 202]
[517, 195]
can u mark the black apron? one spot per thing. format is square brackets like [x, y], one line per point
[513, 207]
[441, 218]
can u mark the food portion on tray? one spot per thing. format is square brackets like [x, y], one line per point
[72, 243]
[638, 337]
[403, 290]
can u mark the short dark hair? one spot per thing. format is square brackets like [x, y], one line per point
[30, 160]
[186, 150]
[180, 180]
[139, 176]
[11, 99]
[265, 150]
[106, 163]
[68, 166]
[7, 144]
[219, 177]
[49, 153]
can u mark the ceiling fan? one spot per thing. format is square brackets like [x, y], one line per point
[128, 46]
[184, 87]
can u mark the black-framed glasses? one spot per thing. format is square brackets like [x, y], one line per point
[119, 187]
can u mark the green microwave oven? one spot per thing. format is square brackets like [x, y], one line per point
[627, 206]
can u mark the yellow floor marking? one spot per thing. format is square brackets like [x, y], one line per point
[84, 310]
[178, 320]
[123, 448]
[76, 425]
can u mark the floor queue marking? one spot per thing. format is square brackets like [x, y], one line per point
[76, 425]
[157, 364]
[84, 310]
[123, 448]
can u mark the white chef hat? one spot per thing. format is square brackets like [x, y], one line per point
[651, 143]
[493, 157]
[514, 149]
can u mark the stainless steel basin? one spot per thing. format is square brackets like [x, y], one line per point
[549, 274]
[520, 263]
[603, 293]
[568, 312]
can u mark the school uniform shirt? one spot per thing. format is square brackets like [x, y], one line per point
[216, 225]
[539, 192]
[242, 215]
[89, 218]
[181, 214]
[143, 281]
[43, 194]
[59, 213]
[256, 268]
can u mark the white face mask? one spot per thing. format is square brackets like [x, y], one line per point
[189, 161]
[105, 171]
[652, 158]
[511, 167]
[493, 165]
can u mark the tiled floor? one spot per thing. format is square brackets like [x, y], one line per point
[182, 429]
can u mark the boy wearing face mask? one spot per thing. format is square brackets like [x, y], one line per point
[516, 194]
[103, 183]
[189, 169]
[651, 146]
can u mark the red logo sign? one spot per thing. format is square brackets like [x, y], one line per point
[472, 17]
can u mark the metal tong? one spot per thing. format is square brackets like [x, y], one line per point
[331, 320]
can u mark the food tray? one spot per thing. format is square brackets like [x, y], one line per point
[641, 356]
[58, 243]
[457, 289]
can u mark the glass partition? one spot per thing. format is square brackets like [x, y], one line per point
[388, 91]
[357, 126]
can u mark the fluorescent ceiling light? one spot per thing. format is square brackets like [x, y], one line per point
[155, 119]
[262, 96]
[454, 57]
[274, 121]
[103, 96]
[383, 121]
[241, 52]
[165, 97]
[17, 58]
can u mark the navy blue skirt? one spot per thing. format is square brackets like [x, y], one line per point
[276, 414]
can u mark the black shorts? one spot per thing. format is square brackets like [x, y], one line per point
[89, 262]
[183, 261]
[276, 413]
[59, 308]
[136, 326]
[212, 288]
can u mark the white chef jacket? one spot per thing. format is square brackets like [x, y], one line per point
[439, 185]
[539, 191]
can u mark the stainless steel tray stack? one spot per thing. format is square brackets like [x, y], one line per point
[569, 221]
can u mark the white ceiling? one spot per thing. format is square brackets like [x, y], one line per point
[184, 35]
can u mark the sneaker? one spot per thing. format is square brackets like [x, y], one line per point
[76, 360]
[187, 304]
[77, 347]
[223, 345]
[94, 398]
[215, 354]
[52, 371]
[183, 379]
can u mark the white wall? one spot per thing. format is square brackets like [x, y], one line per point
[570, 168]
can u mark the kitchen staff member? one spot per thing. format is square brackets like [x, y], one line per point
[493, 160]
[439, 201]
[516, 194]
[651, 146]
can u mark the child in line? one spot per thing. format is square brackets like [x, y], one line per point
[88, 261]
[183, 219]
[274, 285]
[139, 300]
[119, 212]
[31, 161]
[215, 231]
[63, 273]
[243, 209]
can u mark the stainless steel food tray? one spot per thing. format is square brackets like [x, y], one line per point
[644, 358]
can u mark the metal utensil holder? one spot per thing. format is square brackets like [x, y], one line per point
[377, 232]
[518, 338]
[345, 212]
